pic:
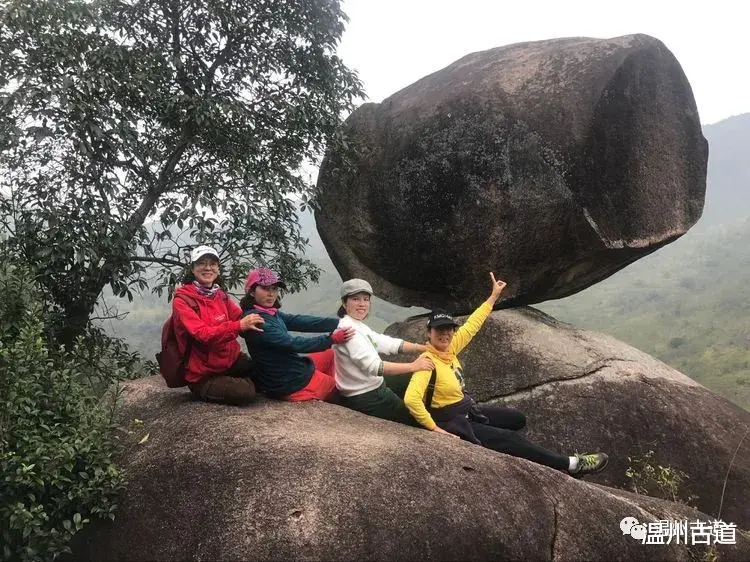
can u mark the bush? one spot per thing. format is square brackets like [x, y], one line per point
[649, 478]
[56, 467]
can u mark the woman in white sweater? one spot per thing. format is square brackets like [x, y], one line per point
[359, 368]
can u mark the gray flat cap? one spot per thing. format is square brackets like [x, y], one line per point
[354, 286]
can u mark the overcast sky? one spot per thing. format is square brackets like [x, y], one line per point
[392, 43]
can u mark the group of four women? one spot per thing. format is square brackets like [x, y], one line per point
[344, 362]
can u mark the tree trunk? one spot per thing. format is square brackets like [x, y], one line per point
[73, 324]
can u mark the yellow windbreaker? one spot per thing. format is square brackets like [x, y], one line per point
[448, 385]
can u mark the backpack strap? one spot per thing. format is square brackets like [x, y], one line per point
[430, 389]
[192, 303]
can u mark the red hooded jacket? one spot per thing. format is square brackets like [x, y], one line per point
[214, 330]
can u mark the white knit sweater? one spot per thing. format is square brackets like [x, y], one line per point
[358, 365]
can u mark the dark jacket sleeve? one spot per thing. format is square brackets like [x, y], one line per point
[275, 336]
[306, 323]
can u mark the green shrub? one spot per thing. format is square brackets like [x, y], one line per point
[56, 470]
[56, 467]
[651, 479]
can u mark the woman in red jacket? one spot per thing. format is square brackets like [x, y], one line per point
[216, 369]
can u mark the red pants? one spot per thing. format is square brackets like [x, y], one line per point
[322, 385]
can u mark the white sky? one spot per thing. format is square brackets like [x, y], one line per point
[392, 43]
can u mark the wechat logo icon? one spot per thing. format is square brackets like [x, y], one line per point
[631, 526]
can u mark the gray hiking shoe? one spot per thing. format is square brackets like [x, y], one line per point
[590, 463]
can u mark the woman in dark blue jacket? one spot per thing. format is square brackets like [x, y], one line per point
[278, 368]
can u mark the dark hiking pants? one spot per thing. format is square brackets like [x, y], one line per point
[398, 383]
[381, 403]
[500, 434]
[233, 386]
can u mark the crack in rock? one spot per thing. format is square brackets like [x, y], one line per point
[554, 530]
[600, 365]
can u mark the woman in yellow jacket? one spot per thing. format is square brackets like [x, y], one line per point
[436, 399]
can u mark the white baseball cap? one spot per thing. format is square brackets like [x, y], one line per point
[201, 251]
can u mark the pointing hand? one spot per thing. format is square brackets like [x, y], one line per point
[497, 287]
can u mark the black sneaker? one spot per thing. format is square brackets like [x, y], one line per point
[590, 463]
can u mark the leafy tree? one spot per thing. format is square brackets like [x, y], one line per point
[57, 471]
[125, 123]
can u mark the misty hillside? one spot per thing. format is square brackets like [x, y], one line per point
[687, 304]
[728, 193]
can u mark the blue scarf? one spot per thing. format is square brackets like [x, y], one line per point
[204, 292]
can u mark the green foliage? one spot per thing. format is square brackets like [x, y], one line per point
[656, 480]
[56, 467]
[185, 115]
[710, 555]
[18, 301]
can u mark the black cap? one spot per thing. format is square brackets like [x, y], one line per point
[439, 318]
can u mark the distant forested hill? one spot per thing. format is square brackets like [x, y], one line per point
[728, 194]
[687, 304]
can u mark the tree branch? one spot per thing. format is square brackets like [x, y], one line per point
[115, 316]
[163, 261]
[162, 183]
[201, 162]
[220, 59]
[268, 96]
[103, 195]
[106, 158]
[182, 78]
[127, 164]
[138, 217]
[197, 58]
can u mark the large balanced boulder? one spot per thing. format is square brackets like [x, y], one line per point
[584, 391]
[553, 164]
[314, 481]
